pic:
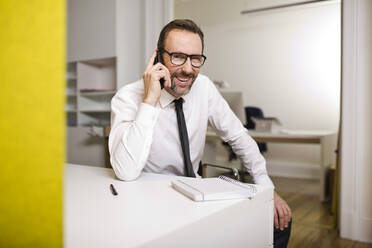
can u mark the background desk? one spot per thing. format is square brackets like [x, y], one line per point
[149, 213]
[326, 140]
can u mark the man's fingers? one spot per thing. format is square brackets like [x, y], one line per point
[166, 75]
[151, 61]
[286, 212]
[282, 211]
[159, 74]
[290, 212]
[156, 71]
[289, 215]
[167, 78]
[167, 81]
[276, 221]
[281, 217]
[157, 67]
[286, 215]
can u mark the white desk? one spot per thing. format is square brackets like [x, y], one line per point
[326, 140]
[149, 213]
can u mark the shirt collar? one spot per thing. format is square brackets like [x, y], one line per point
[165, 98]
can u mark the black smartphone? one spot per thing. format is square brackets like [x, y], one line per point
[157, 59]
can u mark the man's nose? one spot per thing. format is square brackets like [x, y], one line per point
[187, 67]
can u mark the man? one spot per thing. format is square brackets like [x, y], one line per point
[145, 134]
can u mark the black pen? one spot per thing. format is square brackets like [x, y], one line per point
[113, 190]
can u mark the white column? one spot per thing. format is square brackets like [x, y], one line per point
[356, 150]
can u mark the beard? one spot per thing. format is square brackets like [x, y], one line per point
[181, 91]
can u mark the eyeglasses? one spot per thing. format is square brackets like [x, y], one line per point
[197, 60]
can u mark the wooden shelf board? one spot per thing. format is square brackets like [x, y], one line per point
[98, 93]
[95, 110]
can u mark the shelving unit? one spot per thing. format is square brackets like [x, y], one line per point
[108, 46]
[98, 93]
[90, 86]
[71, 90]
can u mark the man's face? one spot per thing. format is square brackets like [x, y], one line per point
[182, 76]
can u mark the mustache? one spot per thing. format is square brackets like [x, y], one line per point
[184, 74]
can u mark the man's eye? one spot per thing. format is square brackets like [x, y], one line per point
[197, 58]
[178, 56]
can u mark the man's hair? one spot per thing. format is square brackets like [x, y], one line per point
[181, 24]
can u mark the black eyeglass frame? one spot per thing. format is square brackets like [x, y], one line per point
[187, 56]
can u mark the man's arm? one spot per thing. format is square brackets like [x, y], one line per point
[247, 150]
[249, 154]
[232, 131]
[133, 117]
[130, 137]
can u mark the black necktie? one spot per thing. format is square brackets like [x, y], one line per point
[184, 137]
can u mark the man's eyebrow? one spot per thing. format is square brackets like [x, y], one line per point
[188, 53]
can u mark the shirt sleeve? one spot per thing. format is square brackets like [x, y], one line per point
[132, 124]
[231, 130]
[247, 150]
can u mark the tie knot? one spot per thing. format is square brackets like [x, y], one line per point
[178, 101]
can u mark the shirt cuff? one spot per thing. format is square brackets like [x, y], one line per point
[264, 180]
[147, 115]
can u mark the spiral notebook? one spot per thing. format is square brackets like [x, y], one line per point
[210, 189]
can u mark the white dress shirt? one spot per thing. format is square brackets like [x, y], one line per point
[146, 138]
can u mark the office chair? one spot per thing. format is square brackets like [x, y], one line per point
[232, 172]
[251, 111]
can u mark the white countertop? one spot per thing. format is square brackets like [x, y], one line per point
[144, 210]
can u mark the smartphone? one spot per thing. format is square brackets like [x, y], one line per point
[157, 59]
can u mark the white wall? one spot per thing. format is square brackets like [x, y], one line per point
[138, 25]
[129, 40]
[86, 19]
[356, 146]
[157, 14]
[285, 61]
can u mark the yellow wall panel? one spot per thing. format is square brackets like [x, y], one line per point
[32, 43]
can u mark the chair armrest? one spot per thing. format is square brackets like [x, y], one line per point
[235, 171]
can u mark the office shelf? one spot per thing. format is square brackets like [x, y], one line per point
[94, 118]
[102, 57]
[97, 74]
[95, 110]
[98, 93]
[90, 86]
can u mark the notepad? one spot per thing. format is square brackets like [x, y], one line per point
[209, 189]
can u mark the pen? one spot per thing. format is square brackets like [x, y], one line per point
[113, 190]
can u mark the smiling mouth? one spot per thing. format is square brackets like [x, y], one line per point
[183, 80]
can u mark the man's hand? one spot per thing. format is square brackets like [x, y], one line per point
[151, 76]
[282, 212]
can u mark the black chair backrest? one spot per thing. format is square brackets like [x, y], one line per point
[251, 111]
